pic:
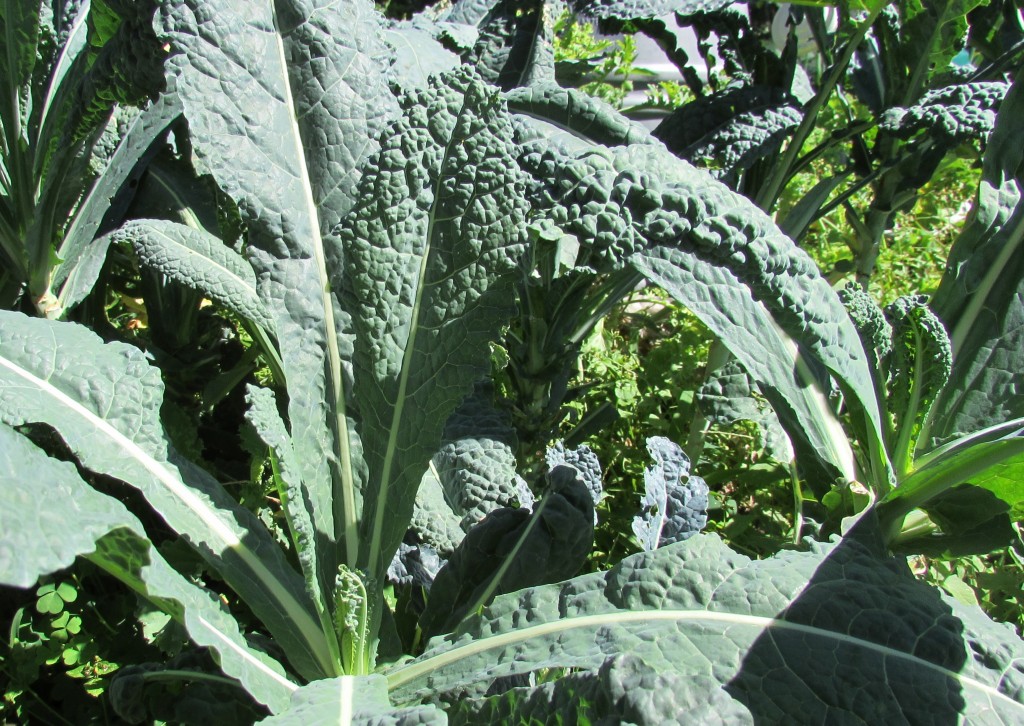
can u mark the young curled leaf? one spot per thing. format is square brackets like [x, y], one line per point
[919, 367]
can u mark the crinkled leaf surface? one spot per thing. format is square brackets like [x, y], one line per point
[351, 701]
[199, 260]
[78, 520]
[776, 635]
[719, 255]
[728, 396]
[512, 549]
[675, 503]
[265, 421]
[418, 53]
[950, 115]
[415, 565]
[549, 110]
[622, 690]
[730, 130]
[439, 222]
[981, 296]
[104, 401]
[514, 47]
[586, 464]
[631, 9]
[434, 521]
[252, 79]
[476, 464]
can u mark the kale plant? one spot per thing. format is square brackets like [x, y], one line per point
[402, 214]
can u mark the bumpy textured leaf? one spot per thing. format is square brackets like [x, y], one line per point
[586, 464]
[512, 549]
[104, 401]
[675, 503]
[418, 53]
[949, 115]
[776, 635]
[622, 690]
[919, 367]
[874, 330]
[716, 253]
[265, 422]
[728, 131]
[548, 110]
[351, 701]
[78, 520]
[637, 9]
[729, 395]
[289, 154]
[476, 464]
[199, 260]
[510, 45]
[440, 219]
[469, 12]
[434, 521]
[415, 565]
[981, 296]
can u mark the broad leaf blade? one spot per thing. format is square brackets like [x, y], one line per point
[76, 515]
[721, 257]
[104, 402]
[729, 131]
[476, 464]
[981, 296]
[640, 9]
[512, 549]
[78, 520]
[439, 221]
[292, 168]
[198, 260]
[351, 701]
[675, 503]
[801, 620]
[550, 109]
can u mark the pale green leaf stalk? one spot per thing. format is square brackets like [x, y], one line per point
[352, 622]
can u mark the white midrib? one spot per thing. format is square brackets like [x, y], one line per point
[346, 694]
[411, 672]
[253, 662]
[336, 392]
[222, 539]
